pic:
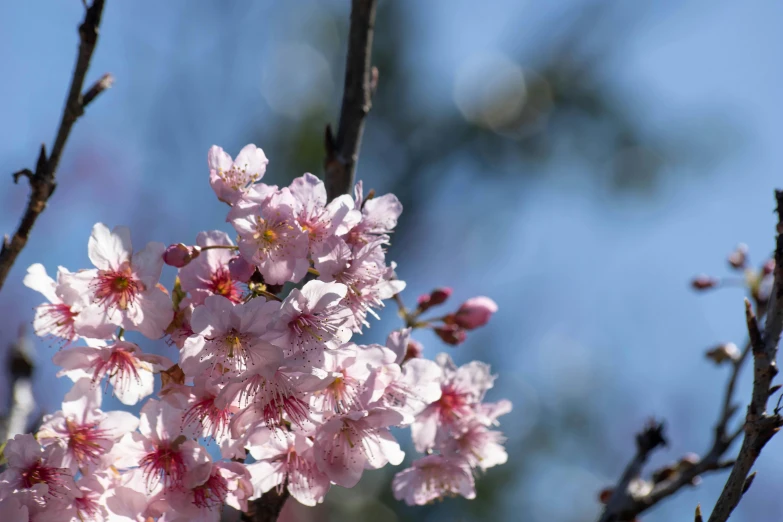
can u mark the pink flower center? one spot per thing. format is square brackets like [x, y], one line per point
[117, 288]
[342, 395]
[84, 441]
[58, 320]
[308, 329]
[121, 365]
[293, 406]
[37, 473]
[222, 284]
[452, 405]
[237, 177]
[163, 464]
[315, 225]
[87, 505]
[213, 420]
[212, 493]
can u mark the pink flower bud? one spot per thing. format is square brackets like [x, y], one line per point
[704, 282]
[451, 334]
[180, 255]
[434, 298]
[739, 256]
[474, 312]
[413, 350]
[768, 267]
[240, 269]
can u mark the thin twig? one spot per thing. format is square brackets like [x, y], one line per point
[760, 426]
[42, 180]
[342, 151]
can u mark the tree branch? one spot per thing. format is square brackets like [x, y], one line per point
[760, 426]
[624, 505]
[342, 152]
[268, 507]
[42, 180]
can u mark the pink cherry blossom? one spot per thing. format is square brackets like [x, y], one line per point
[320, 220]
[230, 179]
[358, 378]
[228, 483]
[228, 339]
[479, 446]
[347, 444]
[412, 389]
[271, 401]
[62, 316]
[311, 318]
[209, 274]
[83, 429]
[37, 471]
[124, 288]
[431, 478]
[287, 460]
[162, 451]
[365, 274]
[201, 409]
[129, 370]
[379, 217]
[462, 389]
[271, 238]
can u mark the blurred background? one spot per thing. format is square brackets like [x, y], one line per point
[576, 161]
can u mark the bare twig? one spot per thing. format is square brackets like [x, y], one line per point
[342, 151]
[42, 180]
[760, 426]
[648, 440]
[626, 506]
[342, 154]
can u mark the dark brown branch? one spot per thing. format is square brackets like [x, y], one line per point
[646, 442]
[627, 507]
[266, 508]
[760, 426]
[42, 180]
[342, 151]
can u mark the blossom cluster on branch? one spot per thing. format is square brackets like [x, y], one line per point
[266, 387]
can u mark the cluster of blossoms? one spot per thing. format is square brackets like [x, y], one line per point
[263, 390]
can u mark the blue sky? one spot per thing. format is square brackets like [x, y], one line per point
[592, 287]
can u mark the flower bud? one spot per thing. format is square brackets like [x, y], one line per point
[739, 256]
[768, 267]
[434, 298]
[451, 334]
[723, 353]
[413, 350]
[474, 312]
[180, 255]
[704, 282]
[240, 269]
[604, 495]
